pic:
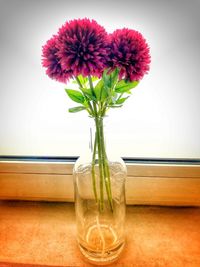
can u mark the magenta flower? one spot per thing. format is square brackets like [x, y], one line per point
[83, 47]
[130, 53]
[51, 62]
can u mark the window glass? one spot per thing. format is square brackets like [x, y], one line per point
[161, 118]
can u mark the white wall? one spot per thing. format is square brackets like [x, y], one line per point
[160, 120]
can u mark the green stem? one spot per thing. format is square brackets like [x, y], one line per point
[98, 139]
[100, 164]
[94, 104]
[95, 144]
[88, 101]
[93, 170]
[78, 81]
[106, 169]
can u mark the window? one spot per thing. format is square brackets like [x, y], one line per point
[159, 121]
[161, 118]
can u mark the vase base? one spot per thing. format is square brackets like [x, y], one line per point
[102, 246]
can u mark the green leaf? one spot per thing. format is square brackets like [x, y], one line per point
[97, 89]
[87, 92]
[76, 109]
[110, 79]
[100, 91]
[114, 106]
[114, 76]
[106, 79]
[121, 100]
[76, 96]
[124, 86]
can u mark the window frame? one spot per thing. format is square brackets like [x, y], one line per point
[149, 181]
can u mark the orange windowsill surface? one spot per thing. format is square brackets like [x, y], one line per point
[43, 234]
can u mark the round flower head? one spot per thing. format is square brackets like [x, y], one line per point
[130, 53]
[51, 61]
[83, 47]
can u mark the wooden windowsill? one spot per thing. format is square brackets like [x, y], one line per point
[43, 234]
[151, 184]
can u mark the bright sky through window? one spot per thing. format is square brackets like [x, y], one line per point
[161, 118]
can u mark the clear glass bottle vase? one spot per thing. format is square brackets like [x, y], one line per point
[99, 183]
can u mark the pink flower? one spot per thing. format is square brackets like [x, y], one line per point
[83, 47]
[130, 53]
[51, 62]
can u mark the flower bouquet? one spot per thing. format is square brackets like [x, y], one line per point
[105, 67]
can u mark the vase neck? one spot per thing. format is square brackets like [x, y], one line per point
[97, 134]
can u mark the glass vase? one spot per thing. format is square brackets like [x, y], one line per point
[99, 183]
